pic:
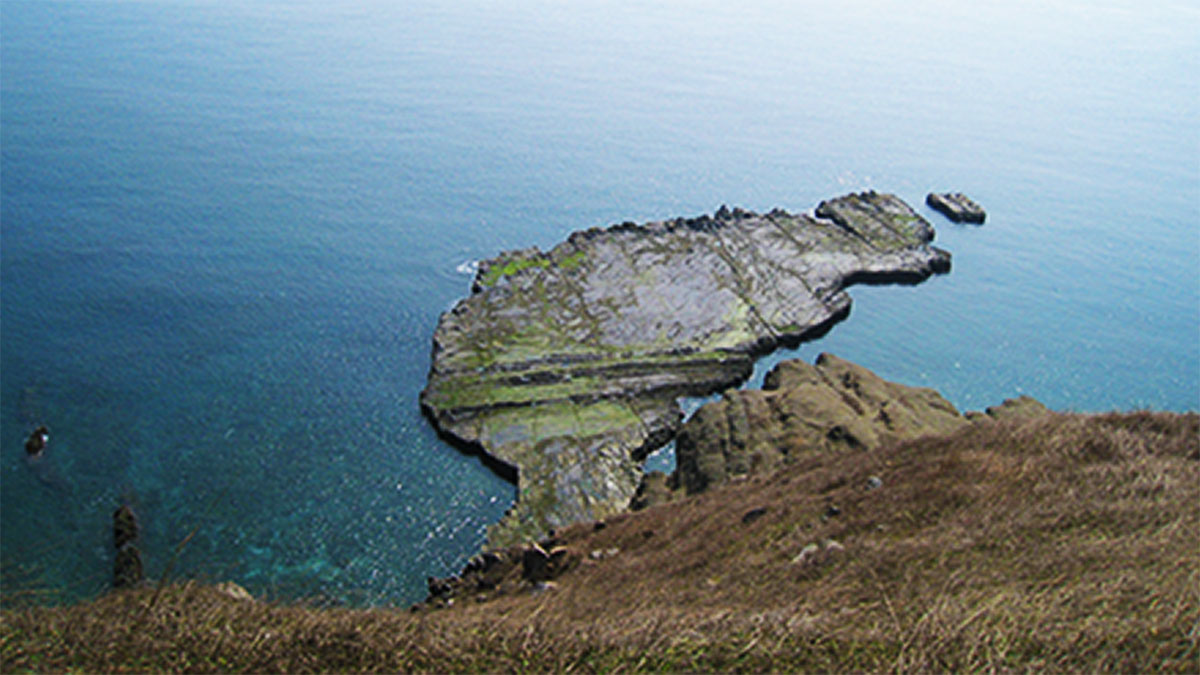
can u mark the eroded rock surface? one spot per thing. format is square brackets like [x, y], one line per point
[832, 406]
[565, 366]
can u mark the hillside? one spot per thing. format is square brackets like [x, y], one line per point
[1060, 542]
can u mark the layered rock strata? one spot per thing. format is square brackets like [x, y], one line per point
[563, 367]
[831, 406]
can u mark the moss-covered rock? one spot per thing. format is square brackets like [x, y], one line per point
[564, 366]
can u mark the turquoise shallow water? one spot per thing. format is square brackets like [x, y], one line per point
[228, 230]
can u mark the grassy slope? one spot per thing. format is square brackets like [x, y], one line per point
[1066, 542]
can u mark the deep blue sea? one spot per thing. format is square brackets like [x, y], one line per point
[228, 230]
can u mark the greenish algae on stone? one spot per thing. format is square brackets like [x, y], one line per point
[565, 366]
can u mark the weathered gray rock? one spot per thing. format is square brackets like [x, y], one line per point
[957, 207]
[832, 406]
[563, 367]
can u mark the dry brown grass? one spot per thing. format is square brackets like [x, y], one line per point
[1063, 543]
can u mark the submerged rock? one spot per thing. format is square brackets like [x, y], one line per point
[957, 207]
[563, 367]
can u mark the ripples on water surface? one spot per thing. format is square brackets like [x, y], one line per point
[229, 228]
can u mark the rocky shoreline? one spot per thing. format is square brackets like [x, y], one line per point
[563, 367]
[805, 413]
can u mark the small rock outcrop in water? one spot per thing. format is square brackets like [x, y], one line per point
[957, 207]
[564, 367]
[38, 462]
[127, 568]
[832, 406]
[36, 443]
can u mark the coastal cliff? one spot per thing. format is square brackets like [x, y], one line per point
[803, 409]
[1061, 542]
[563, 367]
[804, 413]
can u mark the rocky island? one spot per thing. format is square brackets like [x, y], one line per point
[957, 207]
[564, 367]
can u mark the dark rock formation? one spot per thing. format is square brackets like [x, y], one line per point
[957, 207]
[832, 406]
[502, 572]
[535, 564]
[36, 443]
[127, 567]
[38, 462]
[125, 527]
[563, 368]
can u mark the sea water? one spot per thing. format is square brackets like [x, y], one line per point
[228, 230]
